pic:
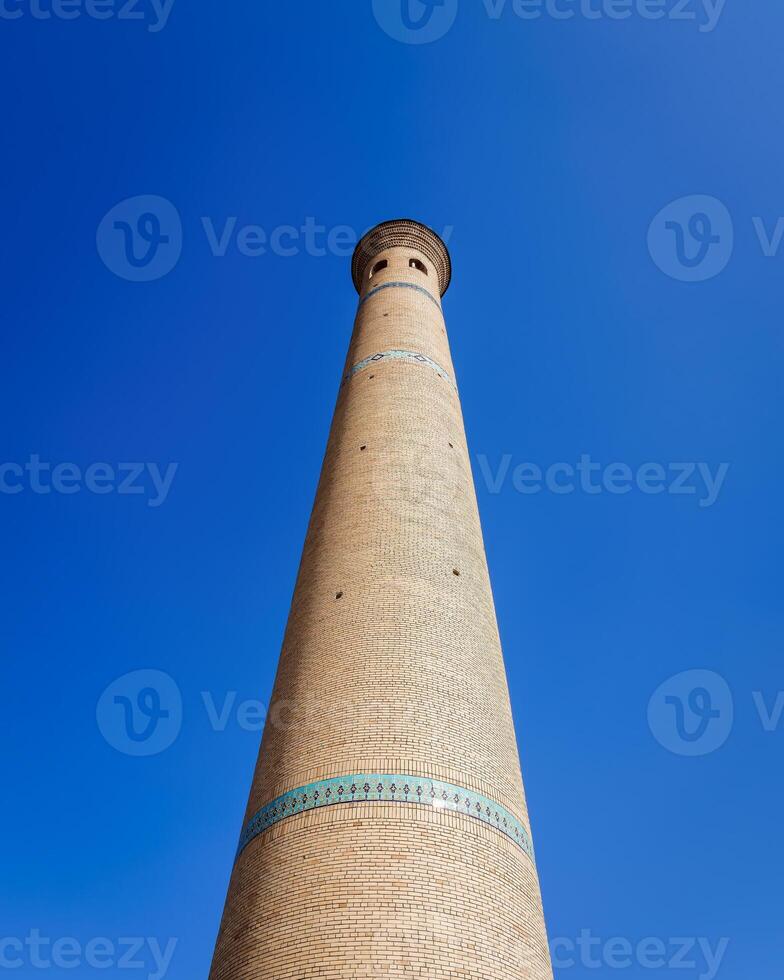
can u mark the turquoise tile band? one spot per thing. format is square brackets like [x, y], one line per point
[399, 285]
[387, 788]
[398, 355]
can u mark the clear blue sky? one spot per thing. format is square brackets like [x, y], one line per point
[549, 146]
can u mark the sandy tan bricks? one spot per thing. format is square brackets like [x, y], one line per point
[391, 664]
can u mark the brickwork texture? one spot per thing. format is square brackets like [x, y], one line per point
[391, 666]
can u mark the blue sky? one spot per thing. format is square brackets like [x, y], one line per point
[587, 170]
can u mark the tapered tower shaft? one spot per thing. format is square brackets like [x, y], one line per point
[387, 833]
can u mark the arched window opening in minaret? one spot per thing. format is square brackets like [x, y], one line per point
[416, 264]
[378, 267]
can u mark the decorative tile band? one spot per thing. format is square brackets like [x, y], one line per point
[377, 788]
[399, 355]
[399, 285]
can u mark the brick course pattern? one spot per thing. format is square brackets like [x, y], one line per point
[391, 664]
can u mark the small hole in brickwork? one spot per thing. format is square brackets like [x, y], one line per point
[362, 448]
[338, 595]
[451, 446]
[371, 377]
[386, 314]
[455, 571]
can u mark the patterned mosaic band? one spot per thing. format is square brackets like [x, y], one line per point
[399, 355]
[372, 788]
[399, 285]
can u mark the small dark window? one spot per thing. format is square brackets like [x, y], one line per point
[455, 571]
[378, 267]
[339, 595]
[416, 264]
[362, 448]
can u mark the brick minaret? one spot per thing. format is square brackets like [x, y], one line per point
[387, 833]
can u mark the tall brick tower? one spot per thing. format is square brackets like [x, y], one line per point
[387, 832]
